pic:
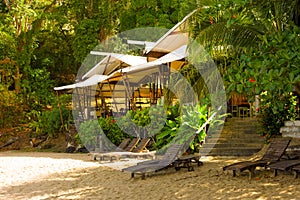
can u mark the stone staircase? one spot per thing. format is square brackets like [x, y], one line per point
[238, 137]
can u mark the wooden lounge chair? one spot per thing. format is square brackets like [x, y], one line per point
[180, 162]
[123, 146]
[132, 144]
[124, 143]
[142, 145]
[153, 166]
[171, 157]
[283, 165]
[186, 162]
[296, 170]
[135, 153]
[274, 152]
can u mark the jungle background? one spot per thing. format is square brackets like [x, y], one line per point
[44, 42]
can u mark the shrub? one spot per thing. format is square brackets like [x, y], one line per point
[49, 123]
[11, 108]
[274, 113]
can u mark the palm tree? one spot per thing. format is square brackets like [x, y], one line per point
[223, 25]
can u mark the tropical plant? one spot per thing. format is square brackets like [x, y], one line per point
[270, 71]
[49, 123]
[187, 125]
[254, 44]
[222, 26]
[89, 132]
[37, 88]
[273, 117]
[112, 131]
[11, 108]
[168, 133]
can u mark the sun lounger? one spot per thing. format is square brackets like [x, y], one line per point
[274, 152]
[296, 170]
[142, 145]
[283, 165]
[116, 156]
[124, 143]
[145, 167]
[137, 152]
[181, 162]
[132, 144]
[120, 148]
[186, 162]
[172, 157]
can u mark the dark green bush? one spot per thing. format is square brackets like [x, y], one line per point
[273, 114]
[49, 123]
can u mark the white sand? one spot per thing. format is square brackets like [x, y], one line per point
[76, 176]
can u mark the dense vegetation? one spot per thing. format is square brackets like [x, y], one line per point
[42, 45]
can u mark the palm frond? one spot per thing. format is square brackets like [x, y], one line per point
[218, 38]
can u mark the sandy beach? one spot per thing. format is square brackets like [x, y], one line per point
[34, 175]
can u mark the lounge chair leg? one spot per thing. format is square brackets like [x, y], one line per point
[143, 176]
[275, 172]
[233, 173]
[295, 174]
[251, 172]
[200, 163]
[190, 168]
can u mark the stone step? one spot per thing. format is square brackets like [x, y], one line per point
[254, 137]
[238, 138]
[237, 133]
[234, 145]
[238, 151]
[239, 127]
[241, 124]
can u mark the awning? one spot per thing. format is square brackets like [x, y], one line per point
[137, 71]
[178, 54]
[95, 79]
[148, 45]
[173, 39]
[110, 62]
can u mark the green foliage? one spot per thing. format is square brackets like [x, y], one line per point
[182, 127]
[112, 130]
[271, 71]
[52, 121]
[193, 117]
[11, 108]
[37, 88]
[170, 130]
[7, 44]
[49, 123]
[273, 114]
[89, 130]
[256, 45]
[86, 35]
[168, 133]
[158, 13]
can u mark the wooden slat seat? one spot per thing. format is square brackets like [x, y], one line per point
[274, 152]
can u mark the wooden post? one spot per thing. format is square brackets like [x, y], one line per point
[128, 90]
[60, 112]
[110, 89]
